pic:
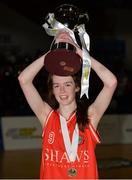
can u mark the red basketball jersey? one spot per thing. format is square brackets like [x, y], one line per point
[55, 163]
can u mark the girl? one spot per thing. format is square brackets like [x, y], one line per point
[69, 137]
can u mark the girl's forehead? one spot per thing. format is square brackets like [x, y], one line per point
[57, 79]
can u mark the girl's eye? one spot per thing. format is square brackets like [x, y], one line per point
[55, 86]
[68, 84]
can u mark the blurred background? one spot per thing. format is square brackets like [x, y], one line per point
[22, 40]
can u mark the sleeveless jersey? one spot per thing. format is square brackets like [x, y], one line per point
[55, 163]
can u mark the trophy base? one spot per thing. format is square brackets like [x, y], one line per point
[62, 62]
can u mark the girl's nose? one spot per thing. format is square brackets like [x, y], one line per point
[62, 88]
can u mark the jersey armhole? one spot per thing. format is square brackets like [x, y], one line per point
[47, 119]
[95, 133]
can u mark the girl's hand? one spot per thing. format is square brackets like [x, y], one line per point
[64, 36]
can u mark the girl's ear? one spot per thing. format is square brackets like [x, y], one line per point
[77, 89]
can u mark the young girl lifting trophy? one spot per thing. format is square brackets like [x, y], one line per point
[70, 131]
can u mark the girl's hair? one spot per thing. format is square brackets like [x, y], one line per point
[82, 104]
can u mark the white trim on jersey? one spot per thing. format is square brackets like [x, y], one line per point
[94, 132]
[47, 121]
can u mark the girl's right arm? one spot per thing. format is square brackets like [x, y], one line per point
[39, 107]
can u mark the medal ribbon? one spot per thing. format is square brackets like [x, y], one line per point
[52, 27]
[86, 67]
[71, 147]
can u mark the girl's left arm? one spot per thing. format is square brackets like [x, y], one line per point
[103, 99]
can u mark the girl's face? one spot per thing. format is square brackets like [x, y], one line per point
[64, 89]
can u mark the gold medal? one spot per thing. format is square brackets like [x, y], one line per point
[72, 172]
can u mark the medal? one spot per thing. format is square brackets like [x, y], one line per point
[72, 172]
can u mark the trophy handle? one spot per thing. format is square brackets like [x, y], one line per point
[83, 18]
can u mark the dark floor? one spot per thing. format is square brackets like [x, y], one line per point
[114, 163]
[21, 164]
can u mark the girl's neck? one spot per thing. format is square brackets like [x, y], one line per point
[66, 111]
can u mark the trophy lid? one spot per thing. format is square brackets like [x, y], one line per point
[67, 14]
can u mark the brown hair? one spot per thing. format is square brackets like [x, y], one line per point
[82, 104]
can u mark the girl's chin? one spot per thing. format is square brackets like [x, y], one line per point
[63, 102]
